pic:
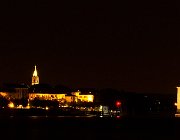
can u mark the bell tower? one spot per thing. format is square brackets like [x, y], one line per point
[35, 78]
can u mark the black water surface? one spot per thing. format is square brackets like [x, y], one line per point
[88, 128]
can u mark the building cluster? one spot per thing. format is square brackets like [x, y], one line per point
[45, 95]
[43, 92]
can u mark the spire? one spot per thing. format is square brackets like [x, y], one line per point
[35, 72]
[35, 78]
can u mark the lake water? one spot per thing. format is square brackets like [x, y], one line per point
[88, 128]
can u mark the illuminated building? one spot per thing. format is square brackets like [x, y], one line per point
[45, 92]
[71, 98]
[11, 105]
[14, 91]
[35, 77]
[46, 96]
[84, 97]
[178, 99]
[53, 96]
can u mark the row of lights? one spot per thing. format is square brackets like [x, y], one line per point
[11, 105]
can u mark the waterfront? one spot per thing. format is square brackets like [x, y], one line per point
[44, 127]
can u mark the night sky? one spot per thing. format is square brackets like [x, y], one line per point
[132, 45]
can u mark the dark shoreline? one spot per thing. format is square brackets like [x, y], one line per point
[41, 112]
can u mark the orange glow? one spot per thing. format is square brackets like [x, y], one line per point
[20, 106]
[11, 105]
[46, 96]
[3, 94]
[178, 99]
[28, 107]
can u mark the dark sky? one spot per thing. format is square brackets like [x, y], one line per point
[132, 45]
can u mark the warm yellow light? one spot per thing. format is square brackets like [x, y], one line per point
[90, 98]
[35, 72]
[47, 108]
[100, 108]
[20, 106]
[175, 104]
[11, 105]
[28, 107]
[3, 94]
[178, 99]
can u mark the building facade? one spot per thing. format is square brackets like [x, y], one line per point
[15, 91]
[178, 99]
[84, 97]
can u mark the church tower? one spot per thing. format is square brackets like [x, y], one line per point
[35, 78]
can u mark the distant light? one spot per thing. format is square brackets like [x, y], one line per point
[100, 108]
[118, 117]
[47, 108]
[175, 104]
[118, 103]
[28, 107]
[11, 105]
[90, 98]
[20, 106]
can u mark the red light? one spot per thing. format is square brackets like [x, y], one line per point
[118, 117]
[118, 103]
